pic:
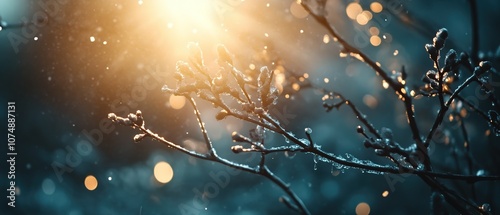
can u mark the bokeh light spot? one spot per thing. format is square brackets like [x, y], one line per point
[375, 40]
[370, 101]
[353, 10]
[48, 186]
[385, 193]
[362, 19]
[90, 182]
[374, 31]
[367, 14]
[326, 38]
[376, 7]
[177, 102]
[163, 172]
[362, 209]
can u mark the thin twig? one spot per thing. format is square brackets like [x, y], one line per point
[300, 205]
[208, 143]
[475, 32]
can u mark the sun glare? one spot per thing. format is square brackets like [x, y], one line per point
[194, 13]
[174, 23]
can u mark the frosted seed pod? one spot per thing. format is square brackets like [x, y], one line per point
[132, 117]
[360, 129]
[139, 137]
[112, 116]
[485, 207]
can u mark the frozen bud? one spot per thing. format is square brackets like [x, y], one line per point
[433, 53]
[178, 76]
[486, 65]
[237, 148]
[431, 74]
[464, 56]
[483, 67]
[221, 115]
[485, 208]
[183, 68]
[132, 117]
[112, 116]
[264, 81]
[218, 81]
[139, 137]
[360, 129]
[464, 59]
[367, 144]
[381, 152]
[451, 55]
[442, 33]
[138, 113]
[238, 137]
[450, 59]
[440, 38]
[308, 131]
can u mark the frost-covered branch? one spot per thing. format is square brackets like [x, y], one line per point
[249, 97]
[436, 80]
[397, 87]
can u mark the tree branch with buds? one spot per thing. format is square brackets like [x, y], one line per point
[249, 98]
